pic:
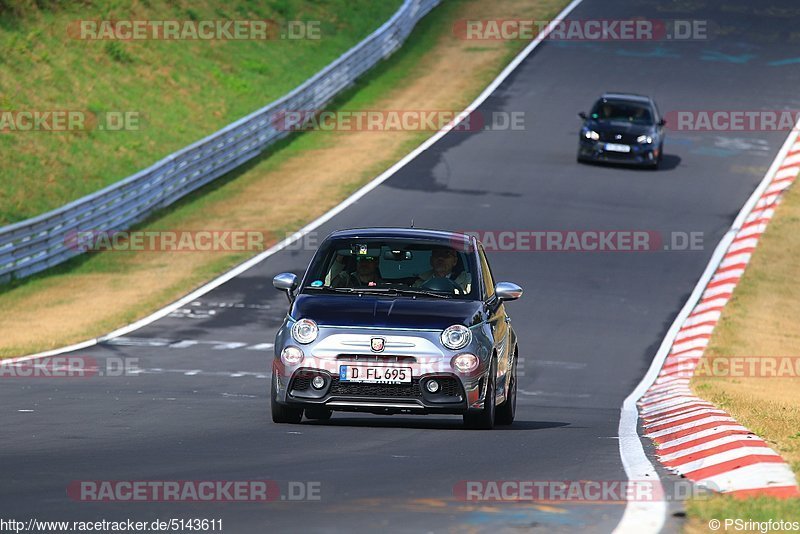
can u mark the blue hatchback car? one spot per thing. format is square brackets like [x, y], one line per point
[622, 128]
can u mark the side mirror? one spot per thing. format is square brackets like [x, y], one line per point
[582, 115]
[507, 291]
[286, 282]
[662, 122]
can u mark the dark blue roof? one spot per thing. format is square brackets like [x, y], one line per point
[395, 232]
[627, 96]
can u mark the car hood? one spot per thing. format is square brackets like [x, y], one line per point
[386, 312]
[620, 127]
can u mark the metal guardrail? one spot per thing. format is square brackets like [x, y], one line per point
[35, 244]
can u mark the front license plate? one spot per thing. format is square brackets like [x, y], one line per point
[379, 375]
[612, 147]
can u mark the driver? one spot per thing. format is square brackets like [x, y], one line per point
[366, 274]
[443, 261]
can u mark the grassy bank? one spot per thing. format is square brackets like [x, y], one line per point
[178, 90]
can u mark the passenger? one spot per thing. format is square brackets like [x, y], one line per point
[366, 274]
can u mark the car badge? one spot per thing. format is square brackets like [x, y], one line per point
[377, 344]
[618, 137]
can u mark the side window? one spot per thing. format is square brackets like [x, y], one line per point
[488, 281]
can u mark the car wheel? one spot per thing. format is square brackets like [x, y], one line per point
[282, 413]
[484, 419]
[507, 410]
[659, 159]
[318, 414]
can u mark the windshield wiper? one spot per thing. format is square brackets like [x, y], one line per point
[334, 289]
[383, 290]
[412, 292]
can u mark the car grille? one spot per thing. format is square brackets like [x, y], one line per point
[372, 358]
[448, 386]
[356, 389]
[610, 137]
[301, 382]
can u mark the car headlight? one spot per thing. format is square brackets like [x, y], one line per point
[644, 139]
[456, 337]
[292, 355]
[465, 363]
[305, 331]
[591, 134]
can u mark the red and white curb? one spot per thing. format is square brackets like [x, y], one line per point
[693, 437]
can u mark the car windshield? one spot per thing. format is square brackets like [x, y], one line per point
[400, 267]
[616, 110]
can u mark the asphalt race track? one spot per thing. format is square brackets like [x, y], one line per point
[589, 323]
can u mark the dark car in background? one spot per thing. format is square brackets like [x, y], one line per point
[622, 128]
[396, 320]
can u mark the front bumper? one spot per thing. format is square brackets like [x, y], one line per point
[419, 351]
[451, 397]
[644, 155]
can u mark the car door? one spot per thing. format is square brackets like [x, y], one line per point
[498, 322]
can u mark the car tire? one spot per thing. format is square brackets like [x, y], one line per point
[318, 414]
[282, 413]
[484, 419]
[659, 159]
[506, 411]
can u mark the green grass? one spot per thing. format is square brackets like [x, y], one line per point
[181, 90]
[753, 509]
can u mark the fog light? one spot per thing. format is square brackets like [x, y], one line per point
[432, 386]
[318, 382]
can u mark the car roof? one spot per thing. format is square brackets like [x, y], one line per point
[451, 238]
[627, 96]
